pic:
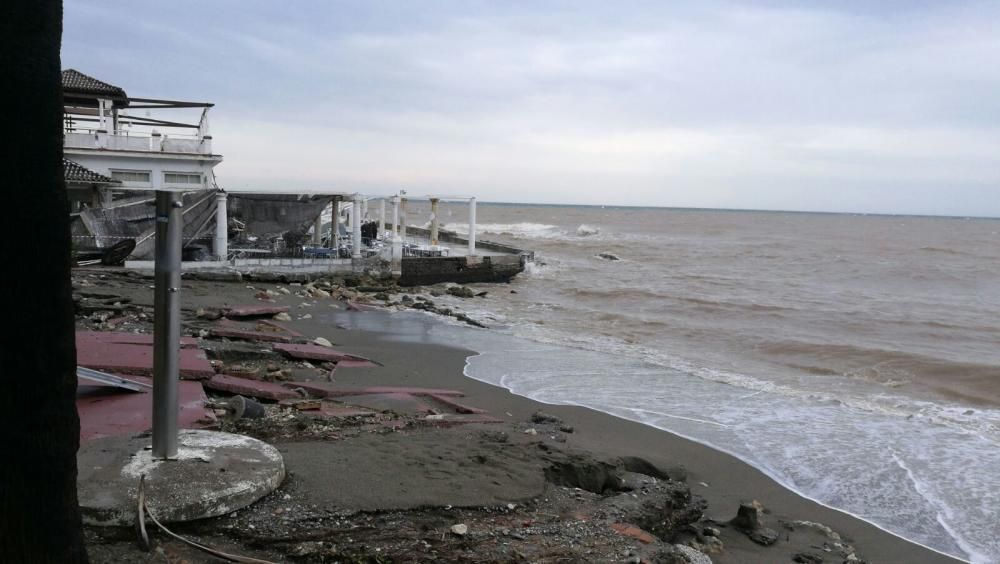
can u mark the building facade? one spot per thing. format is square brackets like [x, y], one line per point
[136, 142]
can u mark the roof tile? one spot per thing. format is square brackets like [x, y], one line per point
[75, 82]
[75, 172]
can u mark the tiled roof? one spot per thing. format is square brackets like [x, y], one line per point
[76, 83]
[74, 172]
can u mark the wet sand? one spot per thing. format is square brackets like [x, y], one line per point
[729, 480]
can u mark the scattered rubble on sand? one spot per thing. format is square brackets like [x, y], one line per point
[382, 473]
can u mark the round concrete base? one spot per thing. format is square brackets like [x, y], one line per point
[214, 474]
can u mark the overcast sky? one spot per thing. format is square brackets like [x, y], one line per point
[884, 106]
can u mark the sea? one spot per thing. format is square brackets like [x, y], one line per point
[853, 358]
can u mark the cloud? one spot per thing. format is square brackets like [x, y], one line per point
[696, 104]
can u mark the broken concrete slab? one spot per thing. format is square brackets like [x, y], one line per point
[132, 354]
[214, 474]
[128, 338]
[252, 388]
[279, 327]
[357, 364]
[106, 412]
[231, 332]
[396, 403]
[251, 311]
[331, 390]
[459, 407]
[302, 404]
[321, 353]
[329, 410]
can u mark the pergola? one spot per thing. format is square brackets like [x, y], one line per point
[399, 213]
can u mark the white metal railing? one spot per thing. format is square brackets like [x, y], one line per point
[124, 141]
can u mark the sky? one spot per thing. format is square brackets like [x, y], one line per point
[855, 106]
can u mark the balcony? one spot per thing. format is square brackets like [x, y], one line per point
[153, 142]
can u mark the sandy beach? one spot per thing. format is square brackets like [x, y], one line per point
[392, 490]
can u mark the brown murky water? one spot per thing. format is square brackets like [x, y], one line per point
[854, 358]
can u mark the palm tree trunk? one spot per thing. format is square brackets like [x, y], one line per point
[39, 427]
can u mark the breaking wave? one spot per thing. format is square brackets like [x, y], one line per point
[522, 230]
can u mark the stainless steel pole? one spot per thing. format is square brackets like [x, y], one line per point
[166, 322]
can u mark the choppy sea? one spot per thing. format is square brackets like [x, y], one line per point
[853, 358]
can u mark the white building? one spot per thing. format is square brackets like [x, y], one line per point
[130, 141]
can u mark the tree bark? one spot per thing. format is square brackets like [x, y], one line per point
[39, 427]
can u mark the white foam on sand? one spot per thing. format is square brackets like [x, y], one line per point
[827, 450]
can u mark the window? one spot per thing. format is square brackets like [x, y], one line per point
[131, 175]
[182, 178]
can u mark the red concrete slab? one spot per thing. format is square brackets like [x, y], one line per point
[356, 364]
[335, 411]
[396, 403]
[126, 338]
[252, 388]
[279, 327]
[132, 354]
[317, 352]
[248, 335]
[331, 390]
[459, 407]
[105, 413]
[245, 311]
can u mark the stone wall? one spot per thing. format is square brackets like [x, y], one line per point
[419, 271]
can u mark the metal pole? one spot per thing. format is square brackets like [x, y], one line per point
[166, 322]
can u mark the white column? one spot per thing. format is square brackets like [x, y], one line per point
[472, 227]
[356, 227]
[318, 228]
[402, 219]
[221, 226]
[335, 227]
[434, 222]
[395, 216]
[381, 218]
[397, 257]
[102, 107]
